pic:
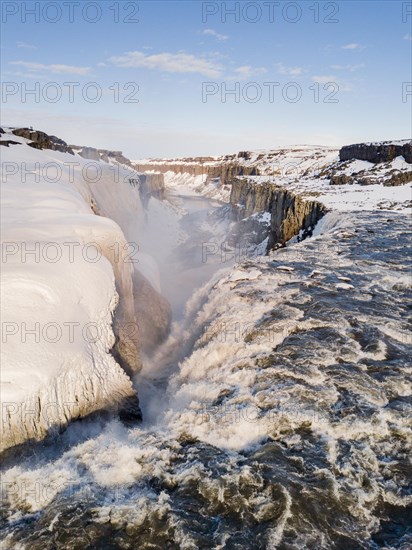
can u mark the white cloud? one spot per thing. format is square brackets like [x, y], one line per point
[57, 68]
[25, 45]
[290, 71]
[168, 62]
[218, 36]
[246, 71]
[351, 46]
[407, 37]
[350, 68]
[324, 79]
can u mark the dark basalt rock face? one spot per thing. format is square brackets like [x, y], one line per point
[376, 152]
[153, 314]
[380, 171]
[399, 178]
[41, 140]
[341, 179]
[150, 185]
[395, 178]
[7, 142]
[226, 171]
[92, 153]
[290, 213]
[247, 155]
[130, 412]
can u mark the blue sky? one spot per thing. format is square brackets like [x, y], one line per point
[302, 73]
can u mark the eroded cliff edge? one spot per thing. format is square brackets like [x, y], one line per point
[289, 214]
[113, 311]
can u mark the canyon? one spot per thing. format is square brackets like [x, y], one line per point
[251, 313]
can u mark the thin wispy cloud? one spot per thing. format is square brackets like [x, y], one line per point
[290, 71]
[332, 79]
[54, 68]
[168, 62]
[218, 36]
[246, 71]
[350, 68]
[25, 45]
[407, 37]
[351, 46]
[324, 79]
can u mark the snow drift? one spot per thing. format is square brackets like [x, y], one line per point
[68, 289]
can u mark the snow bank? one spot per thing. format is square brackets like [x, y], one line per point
[67, 290]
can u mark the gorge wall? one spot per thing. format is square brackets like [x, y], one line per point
[377, 152]
[49, 384]
[225, 170]
[290, 214]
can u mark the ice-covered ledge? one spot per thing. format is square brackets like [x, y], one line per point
[67, 297]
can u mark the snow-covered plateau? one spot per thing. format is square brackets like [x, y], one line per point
[270, 293]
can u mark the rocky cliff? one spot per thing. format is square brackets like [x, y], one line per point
[225, 170]
[290, 214]
[385, 151]
[105, 155]
[149, 185]
[41, 140]
[80, 374]
[383, 163]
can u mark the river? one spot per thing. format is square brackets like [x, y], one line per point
[296, 439]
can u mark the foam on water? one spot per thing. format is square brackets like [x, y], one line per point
[277, 415]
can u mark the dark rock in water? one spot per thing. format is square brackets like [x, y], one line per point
[129, 411]
[153, 314]
[376, 152]
[2, 131]
[150, 185]
[41, 140]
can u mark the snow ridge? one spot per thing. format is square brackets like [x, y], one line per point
[67, 290]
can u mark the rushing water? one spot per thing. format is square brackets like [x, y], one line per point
[185, 259]
[291, 430]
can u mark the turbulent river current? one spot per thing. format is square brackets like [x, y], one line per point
[276, 415]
